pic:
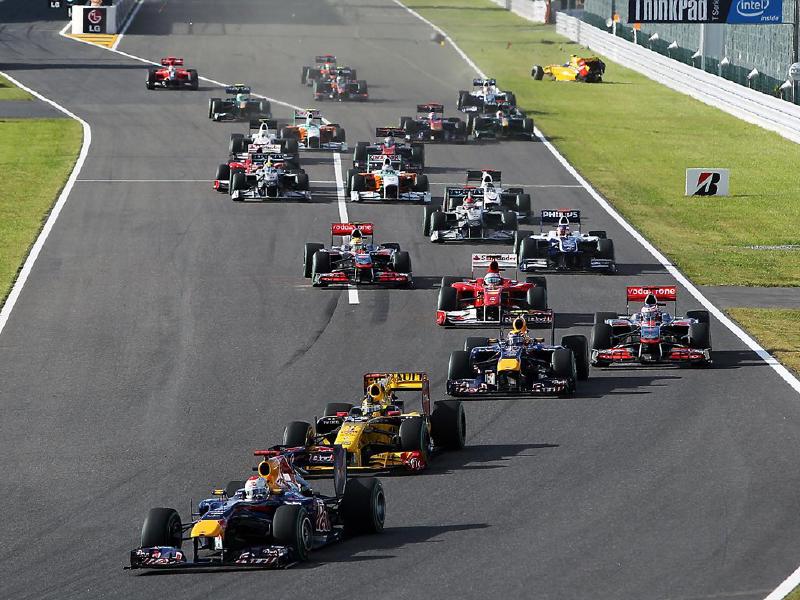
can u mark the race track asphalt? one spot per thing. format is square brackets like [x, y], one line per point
[165, 332]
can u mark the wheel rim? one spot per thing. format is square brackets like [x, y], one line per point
[379, 509]
[306, 535]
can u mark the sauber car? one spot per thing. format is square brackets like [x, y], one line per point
[485, 186]
[406, 157]
[382, 432]
[484, 97]
[565, 248]
[312, 134]
[387, 183]
[357, 260]
[171, 75]
[238, 106]
[507, 122]
[430, 125]
[262, 138]
[518, 365]
[492, 300]
[272, 520]
[651, 335]
[589, 70]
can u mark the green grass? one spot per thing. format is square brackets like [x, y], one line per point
[8, 91]
[633, 139]
[36, 157]
[776, 329]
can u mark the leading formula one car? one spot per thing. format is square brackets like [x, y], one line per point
[464, 218]
[262, 138]
[484, 97]
[564, 248]
[492, 300]
[324, 65]
[273, 520]
[172, 75]
[405, 157]
[312, 134]
[518, 365]
[587, 70]
[430, 125]
[343, 85]
[238, 106]
[356, 260]
[507, 122]
[387, 183]
[651, 335]
[382, 432]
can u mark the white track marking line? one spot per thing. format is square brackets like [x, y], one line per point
[27, 266]
[352, 292]
[672, 269]
[127, 24]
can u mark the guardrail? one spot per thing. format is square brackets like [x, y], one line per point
[533, 10]
[100, 19]
[749, 105]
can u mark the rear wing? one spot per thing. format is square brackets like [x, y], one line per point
[375, 161]
[478, 82]
[346, 71]
[325, 58]
[255, 124]
[504, 261]
[346, 229]
[314, 113]
[171, 61]
[662, 293]
[430, 108]
[262, 157]
[237, 89]
[389, 131]
[559, 216]
[407, 381]
[477, 175]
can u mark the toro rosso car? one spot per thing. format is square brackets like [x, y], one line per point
[465, 217]
[311, 134]
[406, 157]
[430, 125]
[324, 66]
[381, 433]
[518, 365]
[484, 97]
[507, 122]
[387, 183]
[587, 70]
[342, 85]
[357, 260]
[172, 75]
[272, 520]
[651, 335]
[238, 106]
[263, 177]
[492, 300]
[565, 248]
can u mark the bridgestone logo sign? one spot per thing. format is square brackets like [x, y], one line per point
[706, 11]
[707, 182]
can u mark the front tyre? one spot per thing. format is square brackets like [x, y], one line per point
[162, 527]
[292, 526]
[363, 507]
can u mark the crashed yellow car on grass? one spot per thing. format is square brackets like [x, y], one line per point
[382, 432]
[587, 69]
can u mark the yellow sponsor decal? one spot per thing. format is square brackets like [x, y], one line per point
[508, 364]
[207, 528]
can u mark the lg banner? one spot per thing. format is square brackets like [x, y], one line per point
[753, 12]
[94, 20]
[707, 182]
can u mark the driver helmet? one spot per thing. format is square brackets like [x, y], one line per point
[255, 488]
[519, 331]
[469, 201]
[171, 70]
[373, 399]
[387, 164]
[651, 312]
[388, 141]
[431, 116]
[356, 239]
[492, 280]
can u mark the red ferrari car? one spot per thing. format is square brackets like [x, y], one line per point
[493, 300]
[172, 75]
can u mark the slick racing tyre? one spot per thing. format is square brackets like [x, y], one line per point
[531, 248]
[339, 135]
[194, 80]
[363, 508]
[414, 436]
[427, 213]
[537, 298]
[601, 340]
[509, 220]
[223, 173]
[358, 183]
[523, 203]
[449, 424]
[459, 366]
[418, 154]
[238, 181]
[448, 298]
[421, 185]
[699, 336]
[320, 263]
[292, 526]
[537, 72]
[700, 315]
[563, 363]
[605, 249]
[162, 527]
[360, 153]
[237, 144]
[438, 222]
[213, 106]
[302, 182]
[151, 80]
[308, 254]
[580, 350]
[401, 262]
[297, 433]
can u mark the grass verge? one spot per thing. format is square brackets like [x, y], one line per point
[776, 330]
[633, 139]
[37, 156]
[8, 91]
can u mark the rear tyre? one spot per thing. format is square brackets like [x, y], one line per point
[509, 220]
[264, 108]
[302, 182]
[194, 80]
[475, 342]
[308, 254]
[449, 424]
[580, 350]
[602, 317]
[162, 527]
[448, 299]
[537, 280]
[235, 145]
[459, 366]
[292, 527]
[360, 153]
[291, 146]
[418, 154]
[537, 298]
[297, 433]
[537, 72]
[339, 135]
[527, 125]
[524, 203]
[358, 183]
[363, 507]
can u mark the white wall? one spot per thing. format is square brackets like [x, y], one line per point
[533, 10]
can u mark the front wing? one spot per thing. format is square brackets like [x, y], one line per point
[252, 194]
[422, 197]
[457, 234]
[168, 557]
[472, 317]
[318, 460]
[480, 387]
[350, 277]
[631, 354]
[553, 264]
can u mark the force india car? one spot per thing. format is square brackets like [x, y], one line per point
[517, 365]
[357, 260]
[484, 97]
[430, 125]
[324, 65]
[507, 122]
[588, 70]
[492, 300]
[651, 335]
[565, 249]
[262, 177]
[311, 134]
[405, 157]
[273, 520]
[387, 183]
[171, 75]
[343, 85]
[238, 106]
[382, 433]
[262, 139]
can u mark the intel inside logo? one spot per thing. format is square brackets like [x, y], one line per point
[752, 8]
